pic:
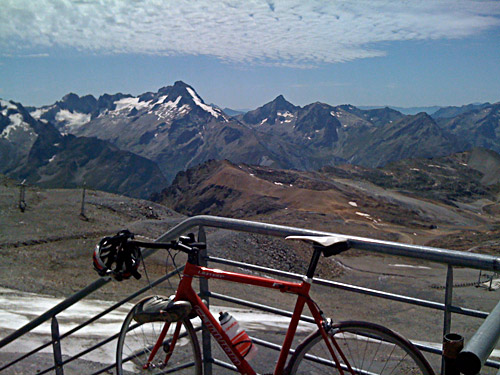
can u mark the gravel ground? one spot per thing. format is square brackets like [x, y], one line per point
[47, 249]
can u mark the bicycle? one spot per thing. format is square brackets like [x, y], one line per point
[168, 343]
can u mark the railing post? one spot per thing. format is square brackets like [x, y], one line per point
[204, 291]
[448, 299]
[481, 344]
[452, 345]
[56, 347]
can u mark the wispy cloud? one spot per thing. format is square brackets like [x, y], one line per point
[293, 33]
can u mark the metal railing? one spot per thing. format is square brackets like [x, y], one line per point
[472, 358]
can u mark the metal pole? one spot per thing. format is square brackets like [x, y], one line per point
[448, 298]
[205, 292]
[478, 349]
[82, 210]
[55, 310]
[56, 347]
[22, 202]
[455, 258]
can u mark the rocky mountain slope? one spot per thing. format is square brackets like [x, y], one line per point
[35, 151]
[479, 127]
[418, 200]
[172, 127]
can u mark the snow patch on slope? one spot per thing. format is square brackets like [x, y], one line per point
[37, 113]
[72, 119]
[200, 104]
[7, 105]
[17, 125]
[130, 103]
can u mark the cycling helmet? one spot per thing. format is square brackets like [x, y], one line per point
[116, 257]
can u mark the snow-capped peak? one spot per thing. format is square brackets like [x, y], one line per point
[200, 104]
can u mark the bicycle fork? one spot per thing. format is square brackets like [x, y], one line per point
[168, 347]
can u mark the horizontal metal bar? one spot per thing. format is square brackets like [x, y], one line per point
[455, 258]
[81, 354]
[354, 288]
[426, 348]
[223, 364]
[258, 306]
[98, 345]
[106, 369]
[479, 347]
[267, 344]
[96, 317]
[54, 311]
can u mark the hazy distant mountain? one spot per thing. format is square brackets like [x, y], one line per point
[34, 150]
[449, 112]
[407, 110]
[479, 127]
[234, 112]
[376, 116]
[410, 137]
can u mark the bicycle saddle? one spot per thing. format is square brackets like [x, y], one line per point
[331, 245]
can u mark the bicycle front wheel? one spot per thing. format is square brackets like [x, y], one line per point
[360, 348]
[137, 341]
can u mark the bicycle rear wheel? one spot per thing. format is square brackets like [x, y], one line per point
[136, 342]
[366, 348]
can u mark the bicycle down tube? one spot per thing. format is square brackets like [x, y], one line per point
[186, 292]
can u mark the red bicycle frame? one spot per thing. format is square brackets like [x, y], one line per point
[185, 292]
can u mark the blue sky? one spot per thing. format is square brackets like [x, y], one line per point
[242, 54]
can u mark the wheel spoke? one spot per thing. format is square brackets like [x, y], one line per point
[368, 349]
[136, 342]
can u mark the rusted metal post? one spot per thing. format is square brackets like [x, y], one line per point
[56, 347]
[452, 345]
[204, 292]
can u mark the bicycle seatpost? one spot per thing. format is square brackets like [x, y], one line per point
[314, 261]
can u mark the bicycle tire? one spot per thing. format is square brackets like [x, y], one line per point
[136, 340]
[369, 349]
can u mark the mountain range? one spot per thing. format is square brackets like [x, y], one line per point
[173, 129]
[37, 152]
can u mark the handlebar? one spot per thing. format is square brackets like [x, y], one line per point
[186, 244]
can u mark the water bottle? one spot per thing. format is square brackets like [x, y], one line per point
[238, 336]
